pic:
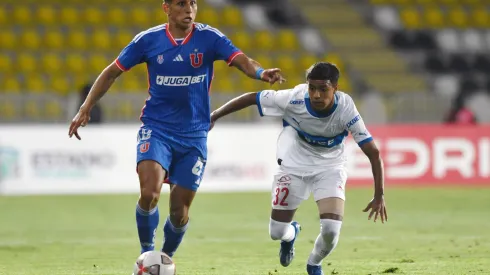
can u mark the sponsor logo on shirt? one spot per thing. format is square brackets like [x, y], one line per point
[179, 80]
[353, 121]
[296, 102]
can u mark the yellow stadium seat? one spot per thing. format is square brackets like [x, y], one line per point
[287, 40]
[458, 17]
[287, 64]
[80, 80]
[307, 61]
[241, 39]
[449, 2]
[8, 110]
[122, 39]
[101, 40]
[411, 18]
[116, 16]
[52, 63]
[221, 69]
[34, 83]
[132, 84]
[4, 19]
[76, 63]
[97, 63]
[69, 16]
[480, 17]
[32, 110]
[8, 39]
[93, 15]
[246, 84]
[26, 62]
[209, 16]
[5, 63]
[264, 40]
[126, 110]
[232, 17]
[46, 15]
[53, 39]
[344, 84]
[77, 39]
[265, 61]
[53, 109]
[223, 84]
[434, 17]
[22, 14]
[59, 84]
[158, 17]
[140, 17]
[30, 39]
[336, 60]
[11, 84]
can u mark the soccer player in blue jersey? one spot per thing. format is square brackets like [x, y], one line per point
[171, 143]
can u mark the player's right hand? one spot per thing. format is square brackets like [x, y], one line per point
[377, 205]
[272, 76]
[81, 119]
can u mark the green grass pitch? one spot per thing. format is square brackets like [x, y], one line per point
[430, 231]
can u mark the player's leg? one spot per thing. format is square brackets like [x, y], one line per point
[288, 191]
[185, 176]
[329, 196]
[153, 158]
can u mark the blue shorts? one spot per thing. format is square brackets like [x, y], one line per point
[184, 159]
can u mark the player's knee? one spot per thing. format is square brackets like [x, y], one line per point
[330, 230]
[149, 198]
[277, 230]
[178, 218]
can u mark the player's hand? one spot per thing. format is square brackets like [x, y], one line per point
[272, 76]
[81, 119]
[378, 207]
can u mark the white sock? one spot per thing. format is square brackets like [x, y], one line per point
[326, 241]
[283, 231]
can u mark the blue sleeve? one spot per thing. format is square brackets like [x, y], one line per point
[132, 55]
[225, 50]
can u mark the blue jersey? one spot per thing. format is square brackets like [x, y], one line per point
[179, 75]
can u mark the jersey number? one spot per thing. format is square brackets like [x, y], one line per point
[197, 170]
[278, 192]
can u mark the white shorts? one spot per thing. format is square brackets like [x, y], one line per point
[290, 190]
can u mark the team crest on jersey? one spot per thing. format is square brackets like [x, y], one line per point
[196, 59]
[144, 147]
[160, 59]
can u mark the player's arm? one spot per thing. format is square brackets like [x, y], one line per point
[254, 70]
[269, 103]
[130, 56]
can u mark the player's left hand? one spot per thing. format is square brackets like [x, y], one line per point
[81, 119]
[377, 205]
[272, 76]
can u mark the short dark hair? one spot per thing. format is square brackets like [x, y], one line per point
[323, 71]
[168, 1]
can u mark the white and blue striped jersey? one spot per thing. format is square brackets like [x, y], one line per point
[313, 141]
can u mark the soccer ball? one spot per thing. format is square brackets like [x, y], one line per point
[154, 263]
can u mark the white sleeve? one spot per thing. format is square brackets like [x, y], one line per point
[355, 125]
[273, 103]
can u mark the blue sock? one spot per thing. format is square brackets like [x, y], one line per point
[172, 237]
[147, 223]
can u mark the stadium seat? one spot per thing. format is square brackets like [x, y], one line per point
[34, 83]
[26, 62]
[458, 17]
[446, 85]
[77, 39]
[101, 39]
[264, 40]
[411, 18]
[306, 61]
[8, 110]
[53, 110]
[140, 17]
[264, 60]
[448, 40]
[10, 84]
[482, 63]
[469, 84]
[472, 41]
[69, 15]
[97, 62]
[241, 39]
[59, 84]
[46, 15]
[116, 16]
[8, 39]
[208, 16]
[53, 39]
[387, 18]
[287, 40]
[232, 17]
[425, 40]
[131, 83]
[51, 63]
[434, 17]
[224, 84]
[32, 110]
[75, 63]
[402, 40]
[93, 15]
[335, 59]
[287, 64]
[245, 84]
[30, 39]
[22, 14]
[435, 64]
[4, 18]
[5, 63]
[480, 17]
[122, 39]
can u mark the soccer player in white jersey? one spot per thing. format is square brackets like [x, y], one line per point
[310, 153]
